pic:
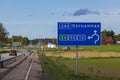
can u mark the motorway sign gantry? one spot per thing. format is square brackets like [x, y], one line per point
[79, 33]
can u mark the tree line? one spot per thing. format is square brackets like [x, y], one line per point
[4, 39]
[110, 34]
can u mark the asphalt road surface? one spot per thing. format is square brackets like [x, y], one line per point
[29, 69]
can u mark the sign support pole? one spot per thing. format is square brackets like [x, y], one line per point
[76, 60]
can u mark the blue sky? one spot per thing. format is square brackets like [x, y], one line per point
[38, 18]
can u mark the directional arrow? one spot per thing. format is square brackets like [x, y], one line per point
[95, 31]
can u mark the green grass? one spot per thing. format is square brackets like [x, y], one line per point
[89, 69]
[102, 48]
[64, 68]
[2, 51]
[105, 67]
[54, 72]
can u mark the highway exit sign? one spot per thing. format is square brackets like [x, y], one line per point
[79, 33]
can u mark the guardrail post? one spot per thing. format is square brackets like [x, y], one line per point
[2, 64]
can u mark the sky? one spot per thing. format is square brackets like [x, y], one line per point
[39, 18]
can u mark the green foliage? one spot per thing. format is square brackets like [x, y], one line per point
[103, 48]
[25, 41]
[108, 34]
[3, 51]
[117, 37]
[54, 72]
[3, 35]
[5, 40]
[104, 69]
[22, 40]
[64, 68]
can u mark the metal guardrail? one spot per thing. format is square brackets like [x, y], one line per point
[8, 61]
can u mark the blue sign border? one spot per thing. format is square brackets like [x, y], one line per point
[79, 33]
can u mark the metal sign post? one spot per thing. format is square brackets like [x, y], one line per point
[76, 59]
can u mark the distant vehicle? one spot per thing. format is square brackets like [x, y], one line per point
[13, 53]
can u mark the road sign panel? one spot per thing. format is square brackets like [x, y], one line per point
[75, 33]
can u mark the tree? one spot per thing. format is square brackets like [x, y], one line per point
[3, 35]
[104, 36]
[117, 37]
[25, 41]
[108, 34]
[111, 34]
[20, 39]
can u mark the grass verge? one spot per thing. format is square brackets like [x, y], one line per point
[58, 71]
[54, 72]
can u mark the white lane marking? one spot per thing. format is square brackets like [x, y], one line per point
[28, 72]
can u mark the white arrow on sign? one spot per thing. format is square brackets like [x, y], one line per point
[95, 34]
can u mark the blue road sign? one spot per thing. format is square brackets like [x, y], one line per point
[79, 34]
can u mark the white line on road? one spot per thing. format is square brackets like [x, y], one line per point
[27, 75]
